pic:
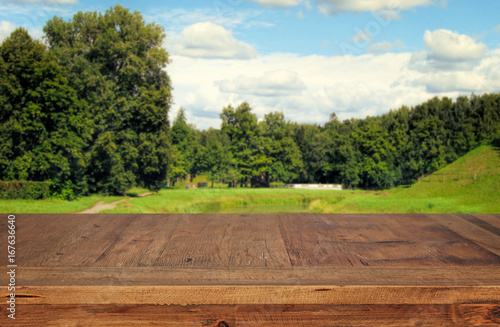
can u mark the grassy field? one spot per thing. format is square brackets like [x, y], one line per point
[467, 193]
[215, 200]
[61, 206]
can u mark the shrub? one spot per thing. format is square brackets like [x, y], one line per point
[24, 190]
[66, 192]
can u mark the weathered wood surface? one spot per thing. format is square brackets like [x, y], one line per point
[256, 270]
[260, 315]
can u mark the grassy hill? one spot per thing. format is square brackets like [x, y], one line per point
[445, 191]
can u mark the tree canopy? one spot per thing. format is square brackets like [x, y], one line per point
[90, 110]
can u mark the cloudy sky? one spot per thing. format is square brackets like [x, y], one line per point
[308, 58]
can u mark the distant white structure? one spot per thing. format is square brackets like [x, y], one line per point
[334, 187]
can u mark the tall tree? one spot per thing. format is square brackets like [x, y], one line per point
[241, 126]
[184, 139]
[116, 64]
[218, 159]
[280, 148]
[43, 126]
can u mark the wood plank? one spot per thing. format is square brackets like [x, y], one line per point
[92, 240]
[67, 240]
[40, 238]
[491, 219]
[255, 315]
[140, 244]
[311, 241]
[225, 240]
[256, 270]
[378, 240]
[338, 276]
[227, 295]
[470, 231]
[481, 223]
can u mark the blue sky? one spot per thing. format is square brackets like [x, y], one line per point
[308, 58]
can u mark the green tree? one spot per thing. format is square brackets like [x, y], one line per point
[247, 146]
[280, 148]
[185, 138]
[116, 64]
[342, 156]
[44, 127]
[217, 157]
[376, 166]
[486, 116]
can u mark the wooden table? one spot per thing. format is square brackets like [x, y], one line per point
[255, 270]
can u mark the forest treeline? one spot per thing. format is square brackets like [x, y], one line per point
[376, 152]
[87, 110]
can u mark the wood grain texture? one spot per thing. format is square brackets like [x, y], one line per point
[337, 276]
[387, 240]
[256, 315]
[199, 295]
[256, 270]
[225, 240]
[470, 231]
[490, 219]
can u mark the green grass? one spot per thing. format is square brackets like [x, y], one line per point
[454, 195]
[62, 206]
[53, 205]
[215, 200]
[483, 158]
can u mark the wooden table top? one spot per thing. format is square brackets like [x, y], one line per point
[221, 264]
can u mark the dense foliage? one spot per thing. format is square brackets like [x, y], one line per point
[88, 112]
[24, 190]
[375, 152]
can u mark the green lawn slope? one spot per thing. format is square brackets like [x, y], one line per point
[445, 191]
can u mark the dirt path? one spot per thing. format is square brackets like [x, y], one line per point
[100, 206]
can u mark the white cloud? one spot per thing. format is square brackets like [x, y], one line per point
[45, 2]
[497, 28]
[309, 88]
[448, 45]
[300, 14]
[455, 63]
[452, 82]
[315, 87]
[385, 46]
[5, 29]
[209, 40]
[277, 3]
[333, 7]
[271, 83]
[448, 51]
